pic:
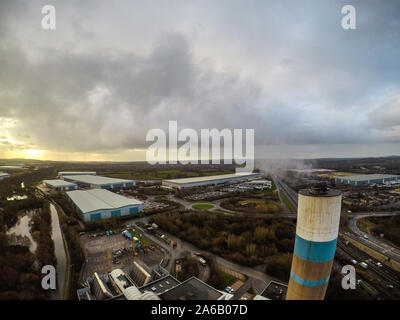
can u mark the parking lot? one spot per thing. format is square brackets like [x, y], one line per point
[205, 195]
[149, 205]
[101, 249]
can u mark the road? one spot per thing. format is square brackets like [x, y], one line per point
[262, 278]
[372, 241]
[290, 194]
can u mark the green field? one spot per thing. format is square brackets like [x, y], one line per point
[142, 239]
[260, 205]
[288, 204]
[202, 206]
[227, 280]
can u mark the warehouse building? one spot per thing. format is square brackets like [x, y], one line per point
[99, 182]
[209, 180]
[60, 185]
[4, 175]
[99, 204]
[363, 179]
[76, 173]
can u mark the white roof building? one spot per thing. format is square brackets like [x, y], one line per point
[99, 182]
[60, 185]
[76, 173]
[4, 175]
[100, 204]
[209, 180]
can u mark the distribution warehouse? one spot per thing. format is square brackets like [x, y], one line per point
[76, 173]
[4, 175]
[209, 180]
[362, 179]
[99, 204]
[99, 182]
[60, 185]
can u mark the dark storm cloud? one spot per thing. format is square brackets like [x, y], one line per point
[285, 68]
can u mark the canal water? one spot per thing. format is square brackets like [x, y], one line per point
[21, 232]
[59, 252]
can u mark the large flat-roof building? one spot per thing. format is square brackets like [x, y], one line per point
[363, 179]
[4, 175]
[60, 185]
[99, 182]
[99, 204]
[185, 183]
[76, 173]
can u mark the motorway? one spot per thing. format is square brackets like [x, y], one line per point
[372, 241]
[384, 274]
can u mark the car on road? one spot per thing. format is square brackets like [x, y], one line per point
[365, 236]
[353, 261]
[363, 265]
[379, 264]
[390, 286]
[229, 290]
[202, 261]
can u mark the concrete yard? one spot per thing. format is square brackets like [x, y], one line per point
[100, 253]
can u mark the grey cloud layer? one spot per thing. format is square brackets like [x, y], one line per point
[287, 70]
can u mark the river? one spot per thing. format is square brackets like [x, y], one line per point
[59, 252]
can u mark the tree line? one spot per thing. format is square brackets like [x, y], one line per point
[246, 241]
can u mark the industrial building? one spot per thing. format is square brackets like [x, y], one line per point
[185, 183]
[4, 175]
[273, 291]
[60, 185]
[100, 204]
[363, 179]
[317, 230]
[76, 173]
[139, 274]
[119, 285]
[98, 182]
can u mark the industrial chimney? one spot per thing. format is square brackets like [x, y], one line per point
[317, 229]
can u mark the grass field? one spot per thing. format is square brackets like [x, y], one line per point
[260, 205]
[288, 204]
[227, 280]
[202, 206]
[142, 239]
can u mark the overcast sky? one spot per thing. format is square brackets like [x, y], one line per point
[112, 70]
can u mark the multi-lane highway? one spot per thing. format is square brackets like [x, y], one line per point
[372, 241]
[384, 274]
